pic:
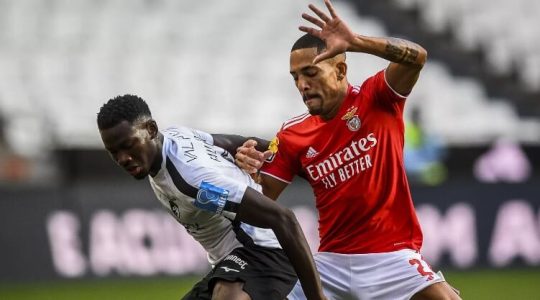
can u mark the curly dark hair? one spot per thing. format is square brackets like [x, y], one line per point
[122, 108]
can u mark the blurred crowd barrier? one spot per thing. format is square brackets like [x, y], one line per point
[99, 230]
[99, 222]
[200, 63]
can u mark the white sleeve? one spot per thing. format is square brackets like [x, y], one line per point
[202, 135]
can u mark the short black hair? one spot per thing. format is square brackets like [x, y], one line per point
[122, 108]
[309, 41]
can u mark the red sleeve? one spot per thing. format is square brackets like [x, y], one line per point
[383, 94]
[283, 165]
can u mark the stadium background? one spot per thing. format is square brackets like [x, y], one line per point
[72, 226]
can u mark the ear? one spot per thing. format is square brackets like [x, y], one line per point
[152, 128]
[341, 68]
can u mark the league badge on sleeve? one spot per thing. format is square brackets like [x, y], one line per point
[211, 198]
[273, 147]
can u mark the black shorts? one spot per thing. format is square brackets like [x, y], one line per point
[267, 274]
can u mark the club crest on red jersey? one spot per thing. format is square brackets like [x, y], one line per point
[352, 119]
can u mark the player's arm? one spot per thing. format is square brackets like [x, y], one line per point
[256, 209]
[407, 58]
[213, 192]
[271, 187]
[250, 157]
[231, 142]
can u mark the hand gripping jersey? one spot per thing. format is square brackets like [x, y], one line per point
[354, 163]
[202, 188]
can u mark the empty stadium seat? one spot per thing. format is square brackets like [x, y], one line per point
[221, 66]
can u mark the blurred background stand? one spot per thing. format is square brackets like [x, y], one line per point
[72, 223]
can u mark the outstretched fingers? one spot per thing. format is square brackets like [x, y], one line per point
[331, 8]
[319, 13]
[331, 29]
[312, 31]
[324, 55]
[313, 20]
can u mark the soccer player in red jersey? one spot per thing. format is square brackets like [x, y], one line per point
[349, 147]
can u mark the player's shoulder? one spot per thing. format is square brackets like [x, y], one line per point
[179, 143]
[296, 123]
[183, 133]
[375, 81]
[368, 80]
[176, 131]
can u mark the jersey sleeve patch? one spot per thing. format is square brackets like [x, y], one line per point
[282, 164]
[214, 199]
[273, 147]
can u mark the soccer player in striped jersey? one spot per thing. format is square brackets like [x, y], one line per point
[349, 147]
[254, 245]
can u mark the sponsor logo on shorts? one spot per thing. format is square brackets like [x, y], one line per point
[229, 270]
[242, 263]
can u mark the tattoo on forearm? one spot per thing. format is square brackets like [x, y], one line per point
[394, 50]
[401, 51]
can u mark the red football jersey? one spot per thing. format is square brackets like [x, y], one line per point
[354, 163]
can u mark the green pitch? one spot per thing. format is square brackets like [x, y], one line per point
[114, 289]
[477, 285]
[497, 285]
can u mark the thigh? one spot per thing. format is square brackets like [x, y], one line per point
[335, 276]
[265, 273]
[212, 288]
[393, 275]
[201, 290]
[225, 290]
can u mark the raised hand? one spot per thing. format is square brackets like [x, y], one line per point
[250, 159]
[333, 31]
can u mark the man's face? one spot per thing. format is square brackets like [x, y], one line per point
[318, 83]
[131, 146]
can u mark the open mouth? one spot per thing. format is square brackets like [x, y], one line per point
[309, 98]
[133, 170]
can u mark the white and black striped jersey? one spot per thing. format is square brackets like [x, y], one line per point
[201, 187]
